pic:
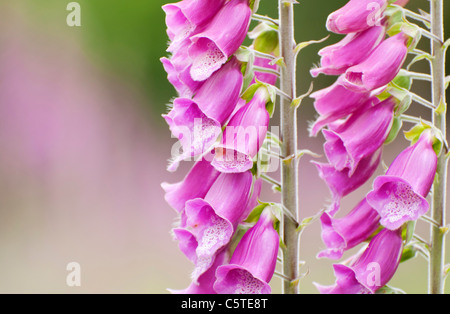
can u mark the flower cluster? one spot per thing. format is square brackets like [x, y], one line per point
[356, 122]
[223, 132]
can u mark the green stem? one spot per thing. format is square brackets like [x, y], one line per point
[437, 254]
[289, 168]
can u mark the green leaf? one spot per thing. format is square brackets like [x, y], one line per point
[424, 56]
[305, 44]
[298, 101]
[308, 221]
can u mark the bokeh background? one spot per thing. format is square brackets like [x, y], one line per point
[83, 149]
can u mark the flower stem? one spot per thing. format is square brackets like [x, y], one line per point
[437, 254]
[289, 168]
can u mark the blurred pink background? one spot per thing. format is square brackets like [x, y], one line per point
[81, 164]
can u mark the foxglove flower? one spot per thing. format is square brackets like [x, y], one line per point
[243, 135]
[370, 271]
[381, 67]
[350, 51]
[184, 16]
[341, 234]
[208, 224]
[204, 284]
[399, 195]
[180, 79]
[253, 262]
[195, 185]
[336, 102]
[356, 16]
[198, 122]
[178, 68]
[212, 47]
[347, 144]
[341, 184]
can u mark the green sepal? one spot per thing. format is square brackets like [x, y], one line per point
[254, 5]
[397, 125]
[442, 108]
[403, 97]
[267, 42]
[271, 95]
[411, 30]
[254, 215]
[415, 132]
[409, 252]
[408, 231]
[389, 290]
[403, 81]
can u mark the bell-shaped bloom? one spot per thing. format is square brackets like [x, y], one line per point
[265, 77]
[348, 144]
[381, 67]
[180, 79]
[399, 195]
[205, 283]
[341, 184]
[356, 16]
[335, 102]
[198, 122]
[218, 96]
[342, 234]
[184, 16]
[208, 224]
[243, 135]
[220, 39]
[178, 69]
[370, 271]
[195, 185]
[350, 51]
[253, 262]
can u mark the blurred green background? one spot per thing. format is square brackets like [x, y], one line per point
[84, 149]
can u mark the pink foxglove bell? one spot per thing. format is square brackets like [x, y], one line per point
[243, 135]
[220, 39]
[371, 270]
[342, 234]
[350, 51]
[207, 224]
[253, 262]
[356, 16]
[399, 195]
[381, 67]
